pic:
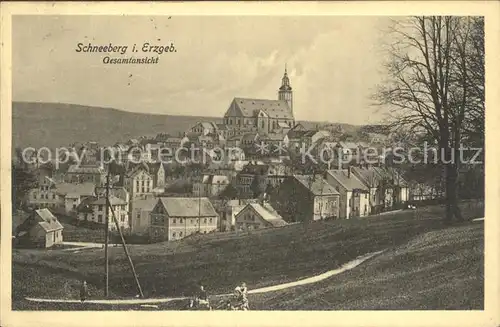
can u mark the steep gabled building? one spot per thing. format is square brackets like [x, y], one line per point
[260, 115]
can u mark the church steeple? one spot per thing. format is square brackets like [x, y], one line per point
[285, 90]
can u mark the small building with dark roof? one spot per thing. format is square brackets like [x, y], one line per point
[175, 218]
[302, 198]
[258, 216]
[40, 229]
[354, 195]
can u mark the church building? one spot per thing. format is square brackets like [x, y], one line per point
[260, 115]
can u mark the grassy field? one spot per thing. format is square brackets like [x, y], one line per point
[437, 270]
[416, 243]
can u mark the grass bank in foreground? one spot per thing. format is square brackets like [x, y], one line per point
[220, 261]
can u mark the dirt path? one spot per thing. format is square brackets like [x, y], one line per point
[348, 266]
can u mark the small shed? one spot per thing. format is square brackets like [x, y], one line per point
[41, 229]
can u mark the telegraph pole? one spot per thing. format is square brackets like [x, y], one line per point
[106, 238]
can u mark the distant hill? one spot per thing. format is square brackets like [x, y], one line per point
[57, 124]
[52, 125]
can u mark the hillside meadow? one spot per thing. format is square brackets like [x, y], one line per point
[267, 257]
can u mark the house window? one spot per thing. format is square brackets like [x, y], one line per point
[192, 221]
[100, 207]
[123, 218]
[210, 220]
[180, 221]
[173, 234]
[138, 215]
[174, 221]
[204, 220]
[99, 218]
[180, 234]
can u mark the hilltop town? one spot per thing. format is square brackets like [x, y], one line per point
[257, 169]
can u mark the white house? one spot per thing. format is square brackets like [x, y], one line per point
[139, 182]
[93, 209]
[176, 218]
[258, 216]
[354, 195]
[73, 194]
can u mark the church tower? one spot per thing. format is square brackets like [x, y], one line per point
[285, 91]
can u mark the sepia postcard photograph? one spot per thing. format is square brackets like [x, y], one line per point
[316, 162]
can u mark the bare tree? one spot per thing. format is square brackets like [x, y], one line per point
[431, 87]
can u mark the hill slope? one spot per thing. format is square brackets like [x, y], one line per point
[262, 258]
[57, 124]
[52, 125]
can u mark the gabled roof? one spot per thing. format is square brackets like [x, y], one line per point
[316, 184]
[250, 107]
[188, 207]
[143, 167]
[273, 137]
[391, 175]
[113, 200]
[83, 169]
[118, 191]
[250, 136]
[69, 189]
[221, 127]
[154, 167]
[296, 134]
[266, 212]
[298, 127]
[350, 183]
[147, 204]
[47, 220]
[209, 125]
[369, 176]
[215, 179]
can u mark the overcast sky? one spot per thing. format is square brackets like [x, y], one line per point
[334, 63]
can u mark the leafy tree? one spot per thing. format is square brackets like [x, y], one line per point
[23, 180]
[255, 187]
[230, 193]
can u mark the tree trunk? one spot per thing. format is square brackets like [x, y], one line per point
[451, 180]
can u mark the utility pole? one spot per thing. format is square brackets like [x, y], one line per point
[126, 250]
[106, 237]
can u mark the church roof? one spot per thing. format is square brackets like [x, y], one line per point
[250, 107]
